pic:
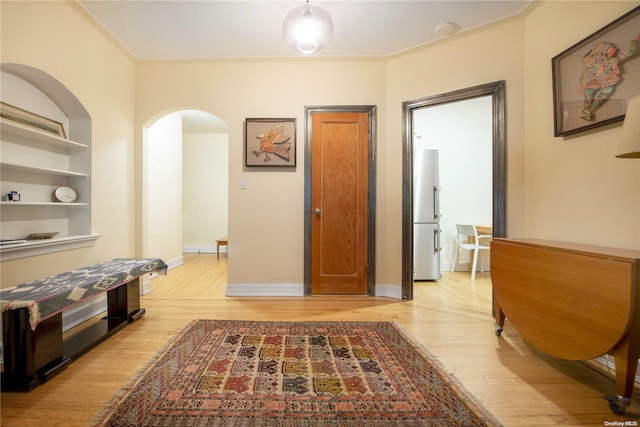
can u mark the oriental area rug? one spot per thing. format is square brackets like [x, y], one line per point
[293, 374]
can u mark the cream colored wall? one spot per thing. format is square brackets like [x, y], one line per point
[266, 219]
[468, 59]
[163, 195]
[59, 39]
[205, 190]
[574, 189]
[569, 189]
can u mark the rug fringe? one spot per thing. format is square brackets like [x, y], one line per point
[452, 380]
[103, 416]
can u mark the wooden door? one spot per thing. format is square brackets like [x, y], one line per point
[339, 189]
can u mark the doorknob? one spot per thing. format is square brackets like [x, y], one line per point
[318, 211]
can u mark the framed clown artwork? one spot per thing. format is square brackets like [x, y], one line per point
[594, 79]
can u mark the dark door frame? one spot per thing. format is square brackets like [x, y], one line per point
[371, 192]
[497, 92]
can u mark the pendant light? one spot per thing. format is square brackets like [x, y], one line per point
[307, 28]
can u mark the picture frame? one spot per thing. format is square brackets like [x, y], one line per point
[591, 84]
[270, 142]
[32, 120]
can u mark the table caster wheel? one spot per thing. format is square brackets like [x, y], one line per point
[498, 330]
[618, 404]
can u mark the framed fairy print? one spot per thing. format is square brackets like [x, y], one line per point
[594, 79]
[270, 142]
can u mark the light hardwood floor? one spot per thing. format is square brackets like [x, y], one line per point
[451, 318]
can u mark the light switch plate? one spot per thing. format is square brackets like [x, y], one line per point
[243, 182]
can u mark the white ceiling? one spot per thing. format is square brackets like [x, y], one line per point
[206, 29]
[200, 29]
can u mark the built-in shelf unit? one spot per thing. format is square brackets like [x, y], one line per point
[35, 162]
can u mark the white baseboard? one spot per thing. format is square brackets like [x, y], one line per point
[447, 266]
[611, 365]
[176, 262]
[294, 290]
[389, 291]
[145, 285]
[83, 312]
[203, 249]
[465, 266]
[265, 290]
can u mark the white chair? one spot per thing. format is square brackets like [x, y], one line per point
[465, 232]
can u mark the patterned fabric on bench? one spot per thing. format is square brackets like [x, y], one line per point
[46, 297]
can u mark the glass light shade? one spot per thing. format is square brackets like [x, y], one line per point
[307, 28]
[629, 145]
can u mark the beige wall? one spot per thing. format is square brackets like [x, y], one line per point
[476, 57]
[59, 39]
[570, 189]
[266, 219]
[564, 189]
[575, 189]
[205, 183]
[163, 190]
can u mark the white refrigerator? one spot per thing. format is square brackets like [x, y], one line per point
[426, 216]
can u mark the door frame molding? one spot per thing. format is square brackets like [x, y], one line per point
[497, 92]
[371, 191]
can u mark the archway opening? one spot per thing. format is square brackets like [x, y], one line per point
[184, 185]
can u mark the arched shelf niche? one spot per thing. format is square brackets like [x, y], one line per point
[36, 162]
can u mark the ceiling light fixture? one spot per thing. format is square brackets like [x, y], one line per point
[307, 28]
[446, 28]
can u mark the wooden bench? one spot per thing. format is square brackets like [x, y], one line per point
[34, 349]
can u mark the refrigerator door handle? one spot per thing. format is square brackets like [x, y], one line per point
[436, 240]
[436, 202]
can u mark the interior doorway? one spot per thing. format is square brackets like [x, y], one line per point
[496, 91]
[340, 200]
[184, 185]
[459, 133]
